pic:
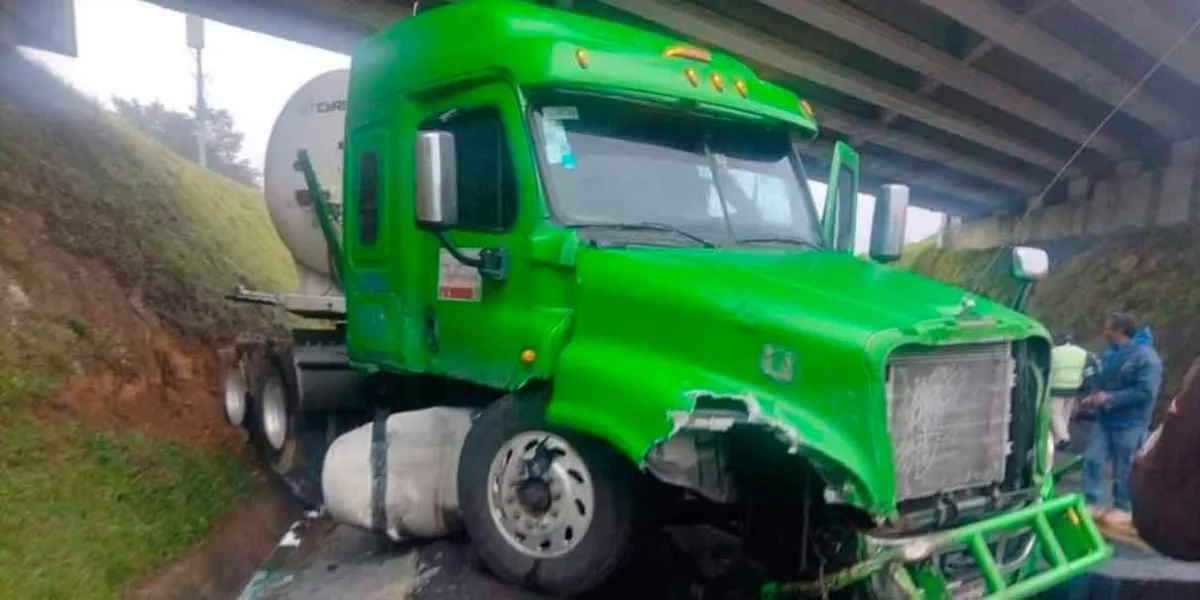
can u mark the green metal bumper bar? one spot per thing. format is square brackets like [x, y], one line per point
[1067, 539]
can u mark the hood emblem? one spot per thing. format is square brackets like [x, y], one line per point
[779, 363]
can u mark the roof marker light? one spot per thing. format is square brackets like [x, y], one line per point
[718, 82]
[703, 56]
[581, 57]
[806, 108]
[740, 86]
[692, 76]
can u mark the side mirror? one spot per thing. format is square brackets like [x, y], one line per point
[1029, 264]
[887, 228]
[437, 202]
[437, 180]
[841, 198]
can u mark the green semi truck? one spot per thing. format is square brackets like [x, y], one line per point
[601, 243]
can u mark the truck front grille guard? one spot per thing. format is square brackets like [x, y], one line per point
[1065, 537]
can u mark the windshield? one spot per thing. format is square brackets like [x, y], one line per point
[619, 168]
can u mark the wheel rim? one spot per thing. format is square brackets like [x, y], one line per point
[540, 494]
[274, 412]
[235, 395]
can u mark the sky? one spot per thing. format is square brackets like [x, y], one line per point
[249, 74]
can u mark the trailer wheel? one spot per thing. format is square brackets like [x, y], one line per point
[544, 507]
[289, 442]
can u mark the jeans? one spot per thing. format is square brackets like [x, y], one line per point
[1117, 445]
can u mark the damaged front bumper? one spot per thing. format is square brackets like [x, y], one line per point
[1057, 541]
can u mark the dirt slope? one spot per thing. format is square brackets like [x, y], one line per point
[1154, 275]
[114, 256]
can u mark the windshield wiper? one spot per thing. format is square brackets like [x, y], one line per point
[645, 227]
[780, 240]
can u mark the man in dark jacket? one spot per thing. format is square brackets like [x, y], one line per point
[1128, 382]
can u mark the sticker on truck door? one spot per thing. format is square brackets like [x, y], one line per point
[458, 282]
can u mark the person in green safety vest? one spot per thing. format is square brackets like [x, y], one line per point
[1071, 367]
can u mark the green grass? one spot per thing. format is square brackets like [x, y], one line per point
[980, 270]
[85, 512]
[177, 234]
[914, 250]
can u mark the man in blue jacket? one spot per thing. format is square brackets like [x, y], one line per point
[1125, 390]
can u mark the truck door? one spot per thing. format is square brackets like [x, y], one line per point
[478, 327]
[373, 331]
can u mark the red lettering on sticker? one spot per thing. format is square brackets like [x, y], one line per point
[456, 293]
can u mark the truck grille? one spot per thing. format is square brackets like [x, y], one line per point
[948, 416]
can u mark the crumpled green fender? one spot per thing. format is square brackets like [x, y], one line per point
[634, 399]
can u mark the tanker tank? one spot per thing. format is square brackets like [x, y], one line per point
[313, 119]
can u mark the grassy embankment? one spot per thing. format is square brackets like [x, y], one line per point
[1154, 275]
[114, 256]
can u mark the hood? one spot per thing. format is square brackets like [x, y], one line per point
[802, 336]
[1143, 337]
[857, 296]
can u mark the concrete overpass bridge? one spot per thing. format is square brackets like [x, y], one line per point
[974, 103]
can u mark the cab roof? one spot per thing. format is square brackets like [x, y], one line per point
[539, 46]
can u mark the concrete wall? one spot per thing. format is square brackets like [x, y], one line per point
[43, 24]
[1133, 198]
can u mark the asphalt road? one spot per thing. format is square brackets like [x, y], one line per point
[321, 559]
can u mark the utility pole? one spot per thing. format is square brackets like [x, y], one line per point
[195, 41]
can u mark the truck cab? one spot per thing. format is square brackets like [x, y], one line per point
[602, 241]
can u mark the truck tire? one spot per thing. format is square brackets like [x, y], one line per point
[290, 443]
[544, 507]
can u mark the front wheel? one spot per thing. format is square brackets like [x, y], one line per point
[544, 507]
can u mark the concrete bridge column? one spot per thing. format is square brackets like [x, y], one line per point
[1133, 198]
[1178, 202]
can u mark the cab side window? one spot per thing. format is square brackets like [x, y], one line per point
[368, 199]
[487, 185]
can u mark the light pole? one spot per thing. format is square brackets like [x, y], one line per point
[195, 41]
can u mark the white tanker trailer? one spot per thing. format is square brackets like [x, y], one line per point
[297, 397]
[279, 391]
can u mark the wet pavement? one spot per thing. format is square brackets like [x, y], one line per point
[332, 560]
[338, 561]
[327, 560]
[345, 562]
